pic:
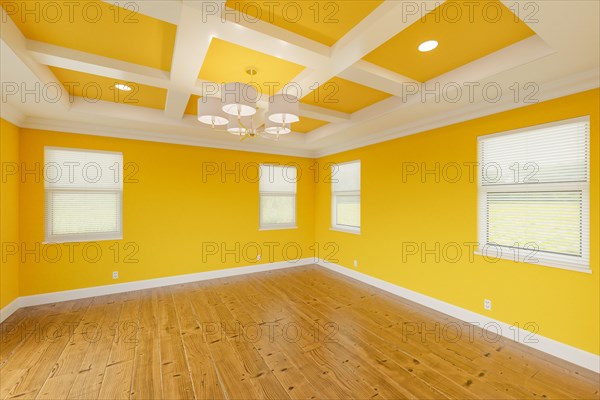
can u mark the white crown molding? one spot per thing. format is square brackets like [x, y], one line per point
[576, 83]
[12, 115]
[564, 351]
[93, 129]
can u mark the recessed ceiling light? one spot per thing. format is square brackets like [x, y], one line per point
[124, 88]
[428, 45]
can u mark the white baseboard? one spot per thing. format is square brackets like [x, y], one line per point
[569, 353]
[55, 297]
[9, 309]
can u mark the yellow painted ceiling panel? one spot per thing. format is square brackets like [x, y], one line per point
[94, 88]
[323, 21]
[342, 95]
[227, 62]
[307, 124]
[96, 27]
[192, 105]
[465, 31]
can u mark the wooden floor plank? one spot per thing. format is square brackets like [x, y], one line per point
[25, 372]
[68, 365]
[238, 379]
[175, 376]
[392, 381]
[147, 381]
[266, 341]
[101, 334]
[26, 322]
[202, 367]
[119, 369]
[200, 341]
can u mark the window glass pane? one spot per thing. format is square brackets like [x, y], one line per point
[277, 210]
[348, 210]
[546, 221]
[84, 212]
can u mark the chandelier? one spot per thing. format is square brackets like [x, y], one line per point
[236, 112]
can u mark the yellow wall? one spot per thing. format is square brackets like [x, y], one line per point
[564, 304]
[168, 214]
[9, 210]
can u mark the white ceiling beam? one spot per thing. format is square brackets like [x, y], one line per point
[191, 45]
[75, 60]
[270, 39]
[163, 10]
[324, 114]
[14, 39]
[376, 77]
[385, 22]
[515, 55]
[235, 27]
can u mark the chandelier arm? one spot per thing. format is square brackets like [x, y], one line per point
[219, 130]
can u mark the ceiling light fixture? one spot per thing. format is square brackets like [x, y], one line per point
[210, 111]
[275, 128]
[284, 109]
[239, 126]
[237, 109]
[122, 87]
[428, 46]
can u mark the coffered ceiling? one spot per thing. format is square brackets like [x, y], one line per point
[355, 64]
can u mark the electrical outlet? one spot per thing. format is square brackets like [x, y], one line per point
[355, 263]
[115, 274]
[487, 304]
[258, 257]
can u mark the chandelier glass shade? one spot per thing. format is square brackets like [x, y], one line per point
[237, 105]
[275, 128]
[239, 126]
[210, 111]
[284, 109]
[239, 99]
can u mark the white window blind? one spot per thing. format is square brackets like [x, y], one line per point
[83, 195]
[534, 194]
[345, 196]
[277, 187]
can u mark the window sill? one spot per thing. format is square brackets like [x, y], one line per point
[277, 228]
[542, 262]
[81, 240]
[346, 230]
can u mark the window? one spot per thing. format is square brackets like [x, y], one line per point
[534, 195]
[83, 191]
[277, 188]
[345, 196]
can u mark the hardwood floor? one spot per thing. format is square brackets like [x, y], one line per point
[295, 333]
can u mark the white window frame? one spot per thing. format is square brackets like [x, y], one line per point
[522, 255]
[81, 237]
[270, 227]
[334, 225]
